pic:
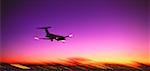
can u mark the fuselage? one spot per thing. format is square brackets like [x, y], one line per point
[52, 36]
[56, 37]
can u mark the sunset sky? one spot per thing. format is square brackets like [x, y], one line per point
[103, 30]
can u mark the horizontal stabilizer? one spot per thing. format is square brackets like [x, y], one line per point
[44, 27]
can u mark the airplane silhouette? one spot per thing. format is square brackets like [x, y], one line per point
[51, 36]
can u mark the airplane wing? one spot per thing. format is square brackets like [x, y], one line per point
[37, 38]
[45, 38]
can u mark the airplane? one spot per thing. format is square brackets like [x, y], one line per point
[51, 36]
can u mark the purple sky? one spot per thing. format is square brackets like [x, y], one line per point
[104, 30]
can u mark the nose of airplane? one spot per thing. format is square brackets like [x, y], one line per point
[36, 38]
[70, 35]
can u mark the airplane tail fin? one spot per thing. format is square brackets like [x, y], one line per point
[45, 28]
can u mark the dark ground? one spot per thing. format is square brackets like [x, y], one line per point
[75, 67]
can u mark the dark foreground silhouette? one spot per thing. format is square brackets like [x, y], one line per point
[75, 65]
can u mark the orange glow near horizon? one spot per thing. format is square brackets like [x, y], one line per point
[36, 60]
